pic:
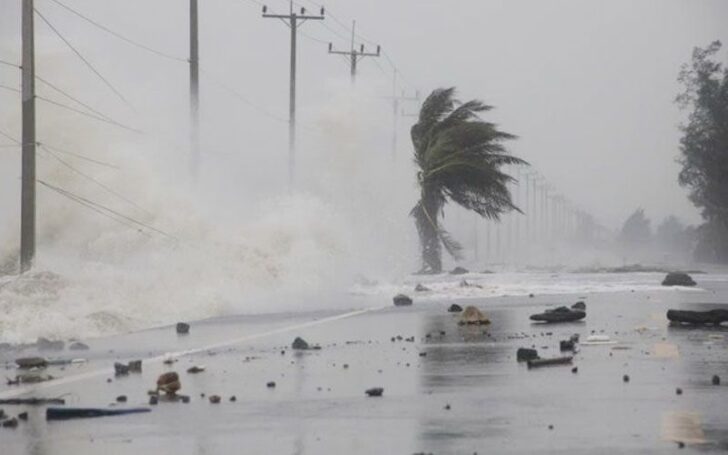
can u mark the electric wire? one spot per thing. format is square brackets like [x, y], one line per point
[84, 60]
[91, 116]
[119, 35]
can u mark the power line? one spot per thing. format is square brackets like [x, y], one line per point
[91, 116]
[84, 60]
[72, 98]
[93, 180]
[87, 202]
[3, 62]
[119, 35]
[8, 136]
[11, 89]
[79, 156]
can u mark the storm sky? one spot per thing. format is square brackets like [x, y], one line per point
[587, 85]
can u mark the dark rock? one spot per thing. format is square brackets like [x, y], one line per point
[680, 445]
[184, 399]
[78, 346]
[299, 344]
[536, 363]
[712, 317]
[120, 369]
[575, 370]
[716, 379]
[271, 385]
[678, 391]
[23, 416]
[135, 366]
[551, 427]
[374, 392]
[560, 314]
[182, 328]
[579, 306]
[121, 399]
[10, 423]
[195, 369]
[422, 288]
[566, 345]
[625, 378]
[233, 399]
[448, 407]
[31, 362]
[214, 399]
[525, 354]
[459, 271]
[455, 308]
[402, 300]
[678, 279]
[153, 400]
[2, 414]
[423, 354]
[45, 344]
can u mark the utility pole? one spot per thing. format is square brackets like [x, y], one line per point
[353, 55]
[27, 195]
[293, 21]
[194, 92]
[396, 100]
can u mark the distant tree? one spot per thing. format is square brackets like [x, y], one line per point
[460, 159]
[670, 232]
[704, 145]
[636, 229]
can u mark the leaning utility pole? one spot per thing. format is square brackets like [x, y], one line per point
[293, 21]
[194, 92]
[353, 55]
[27, 194]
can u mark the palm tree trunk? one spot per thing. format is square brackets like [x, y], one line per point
[428, 229]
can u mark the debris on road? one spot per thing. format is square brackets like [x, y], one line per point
[31, 362]
[580, 305]
[29, 378]
[299, 344]
[402, 300]
[459, 271]
[32, 401]
[535, 363]
[78, 346]
[473, 316]
[169, 383]
[716, 379]
[375, 392]
[714, 317]
[525, 354]
[678, 279]
[422, 288]
[560, 314]
[455, 308]
[215, 399]
[182, 328]
[82, 413]
[196, 369]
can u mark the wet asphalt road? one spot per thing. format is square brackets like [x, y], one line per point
[466, 393]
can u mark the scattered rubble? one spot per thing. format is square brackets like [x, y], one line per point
[374, 392]
[402, 300]
[678, 279]
[560, 314]
[712, 317]
[473, 316]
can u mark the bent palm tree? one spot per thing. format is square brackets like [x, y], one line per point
[460, 158]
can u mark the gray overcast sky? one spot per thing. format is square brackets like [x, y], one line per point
[587, 85]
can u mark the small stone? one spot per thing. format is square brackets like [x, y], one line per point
[109, 380]
[566, 345]
[169, 383]
[299, 344]
[575, 370]
[530, 296]
[184, 398]
[423, 354]
[625, 378]
[678, 391]
[455, 308]
[421, 288]
[31, 362]
[10, 423]
[233, 398]
[195, 369]
[214, 399]
[680, 445]
[345, 366]
[473, 316]
[23, 416]
[459, 271]
[182, 328]
[120, 369]
[525, 354]
[447, 407]
[78, 346]
[153, 400]
[271, 385]
[135, 366]
[374, 392]
[121, 399]
[402, 300]
[716, 379]
[580, 305]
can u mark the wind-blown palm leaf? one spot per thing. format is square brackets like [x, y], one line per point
[460, 159]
